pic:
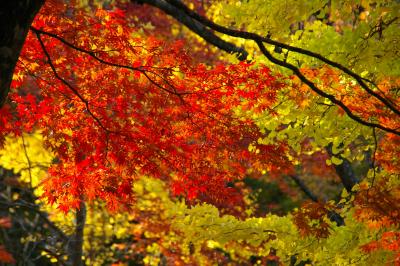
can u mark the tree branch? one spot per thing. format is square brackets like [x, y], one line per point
[75, 91]
[320, 92]
[181, 12]
[92, 54]
[332, 215]
[57, 231]
[304, 188]
[257, 38]
[197, 27]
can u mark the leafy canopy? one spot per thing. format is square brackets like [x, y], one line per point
[102, 103]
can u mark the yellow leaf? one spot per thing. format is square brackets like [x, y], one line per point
[336, 160]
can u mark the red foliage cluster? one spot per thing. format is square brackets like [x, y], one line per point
[355, 97]
[113, 108]
[388, 153]
[389, 241]
[378, 205]
[5, 256]
[311, 219]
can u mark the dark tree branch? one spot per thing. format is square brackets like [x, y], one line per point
[374, 156]
[15, 18]
[30, 207]
[197, 27]
[322, 93]
[28, 160]
[257, 38]
[11, 43]
[332, 215]
[304, 188]
[142, 69]
[75, 91]
[191, 19]
[263, 50]
[344, 170]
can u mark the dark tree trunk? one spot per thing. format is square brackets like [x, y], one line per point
[15, 18]
[76, 244]
[344, 171]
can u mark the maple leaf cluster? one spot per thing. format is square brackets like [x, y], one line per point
[311, 219]
[113, 108]
[115, 103]
[5, 256]
[389, 241]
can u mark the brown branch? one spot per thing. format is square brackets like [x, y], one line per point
[259, 40]
[374, 156]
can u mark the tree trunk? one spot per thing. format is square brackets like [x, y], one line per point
[344, 170]
[15, 18]
[76, 244]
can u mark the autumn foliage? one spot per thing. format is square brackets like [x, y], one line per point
[116, 101]
[147, 110]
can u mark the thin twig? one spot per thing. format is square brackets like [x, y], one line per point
[75, 91]
[92, 54]
[374, 156]
[28, 160]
